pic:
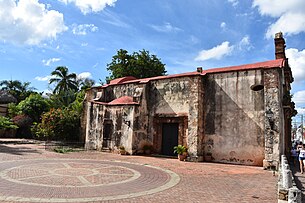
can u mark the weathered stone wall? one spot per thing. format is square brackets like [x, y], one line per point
[90, 94]
[234, 117]
[273, 131]
[139, 118]
[122, 133]
[130, 132]
[141, 136]
[219, 114]
[94, 126]
[176, 97]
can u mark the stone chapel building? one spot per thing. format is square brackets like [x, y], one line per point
[238, 114]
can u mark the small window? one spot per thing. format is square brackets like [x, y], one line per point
[257, 87]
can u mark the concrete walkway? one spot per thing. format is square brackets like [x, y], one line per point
[29, 173]
[298, 178]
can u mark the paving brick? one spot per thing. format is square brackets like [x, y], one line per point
[25, 168]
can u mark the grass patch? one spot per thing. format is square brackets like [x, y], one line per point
[64, 150]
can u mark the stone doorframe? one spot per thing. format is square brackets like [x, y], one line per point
[159, 119]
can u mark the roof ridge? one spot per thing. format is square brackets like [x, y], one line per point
[265, 65]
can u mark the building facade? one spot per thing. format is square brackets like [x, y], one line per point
[240, 114]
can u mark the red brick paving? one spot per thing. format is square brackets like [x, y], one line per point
[199, 182]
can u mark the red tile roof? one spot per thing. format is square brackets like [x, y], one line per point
[121, 80]
[122, 100]
[278, 63]
[125, 100]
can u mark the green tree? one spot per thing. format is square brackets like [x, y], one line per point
[85, 83]
[63, 80]
[62, 99]
[139, 64]
[34, 106]
[13, 110]
[20, 90]
[26, 90]
[77, 105]
[6, 123]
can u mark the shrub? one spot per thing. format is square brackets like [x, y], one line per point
[58, 124]
[24, 123]
[13, 110]
[6, 123]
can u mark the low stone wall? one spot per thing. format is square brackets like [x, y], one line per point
[287, 189]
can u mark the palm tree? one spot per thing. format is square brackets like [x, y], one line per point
[63, 80]
[20, 90]
[11, 85]
[26, 90]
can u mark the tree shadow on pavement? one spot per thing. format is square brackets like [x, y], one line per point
[16, 148]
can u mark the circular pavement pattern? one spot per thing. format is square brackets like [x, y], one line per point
[78, 180]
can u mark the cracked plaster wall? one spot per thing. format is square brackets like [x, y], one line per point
[130, 132]
[179, 97]
[234, 117]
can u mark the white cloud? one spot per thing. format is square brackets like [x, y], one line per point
[299, 98]
[223, 25]
[216, 52]
[194, 40]
[233, 2]
[83, 29]
[166, 27]
[290, 15]
[89, 6]
[29, 22]
[245, 43]
[224, 49]
[300, 110]
[115, 19]
[95, 65]
[47, 78]
[84, 75]
[49, 61]
[46, 93]
[289, 24]
[276, 8]
[296, 61]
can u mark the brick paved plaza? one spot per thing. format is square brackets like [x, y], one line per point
[29, 173]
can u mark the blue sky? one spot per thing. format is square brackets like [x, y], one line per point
[36, 36]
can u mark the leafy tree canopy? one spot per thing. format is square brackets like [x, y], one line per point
[63, 80]
[34, 106]
[85, 83]
[139, 64]
[62, 99]
[20, 90]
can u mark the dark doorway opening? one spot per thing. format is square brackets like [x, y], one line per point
[170, 133]
[107, 135]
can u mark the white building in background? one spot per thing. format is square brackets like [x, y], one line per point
[298, 134]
